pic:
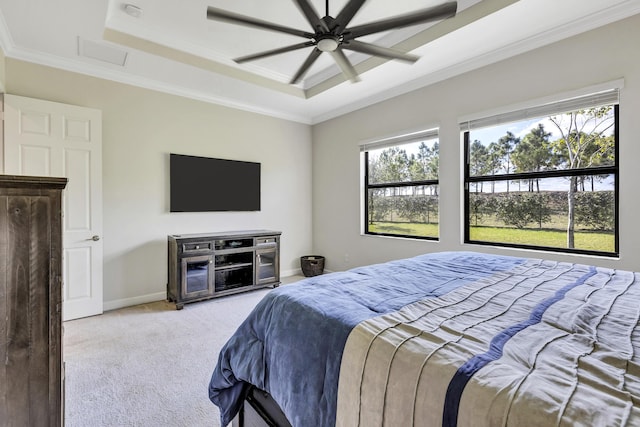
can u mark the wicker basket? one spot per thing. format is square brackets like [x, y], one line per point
[312, 265]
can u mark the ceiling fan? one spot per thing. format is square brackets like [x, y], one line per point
[332, 35]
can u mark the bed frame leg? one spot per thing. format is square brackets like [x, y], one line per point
[259, 410]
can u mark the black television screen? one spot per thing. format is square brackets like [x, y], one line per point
[203, 184]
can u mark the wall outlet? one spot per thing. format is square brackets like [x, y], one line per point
[346, 257]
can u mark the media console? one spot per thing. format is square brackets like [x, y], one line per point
[203, 266]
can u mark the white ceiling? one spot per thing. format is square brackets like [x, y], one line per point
[172, 46]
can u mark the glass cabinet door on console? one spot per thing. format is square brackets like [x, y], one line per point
[196, 273]
[266, 266]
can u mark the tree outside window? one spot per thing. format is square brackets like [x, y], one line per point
[401, 190]
[547, 182]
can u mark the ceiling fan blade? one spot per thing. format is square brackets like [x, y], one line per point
[312, 16]
[305, 67]
[435, 13]
[345, 65]
[374, 50]
[234, 18]
[273, 52]
[346, 14]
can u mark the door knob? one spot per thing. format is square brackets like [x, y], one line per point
[95, 238]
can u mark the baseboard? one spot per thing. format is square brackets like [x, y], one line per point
[128, 302]
[159, 296]
[287, 273]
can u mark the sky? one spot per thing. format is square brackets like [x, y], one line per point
[520, 129]
[411, 148]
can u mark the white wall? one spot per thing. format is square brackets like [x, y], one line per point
[2, 72]
[140, 129]
[2, 86]
[602, 55]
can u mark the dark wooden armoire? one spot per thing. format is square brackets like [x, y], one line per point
[31, 370]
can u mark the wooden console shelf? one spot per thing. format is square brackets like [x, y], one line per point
[210, 265]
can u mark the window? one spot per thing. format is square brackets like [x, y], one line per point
[401, 186]
[546, 177]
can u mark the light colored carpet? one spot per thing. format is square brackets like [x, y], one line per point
[149, 365]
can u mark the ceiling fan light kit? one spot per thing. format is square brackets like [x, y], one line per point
[328, 44]
[333, 35]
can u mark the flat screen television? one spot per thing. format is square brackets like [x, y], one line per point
[203, 184]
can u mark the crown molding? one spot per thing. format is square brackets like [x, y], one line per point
[556, 34]
[14, 52]
[145, 82]
[127, 34]
[87, 69]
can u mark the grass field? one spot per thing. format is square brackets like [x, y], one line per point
[586, 240]
[405, 228]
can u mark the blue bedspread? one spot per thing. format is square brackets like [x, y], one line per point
[291, 344]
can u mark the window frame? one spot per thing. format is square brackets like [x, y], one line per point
[564, 173]
[428, 135]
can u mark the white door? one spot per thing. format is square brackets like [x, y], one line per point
[43, 138]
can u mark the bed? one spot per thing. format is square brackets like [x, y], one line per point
[451, 339]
